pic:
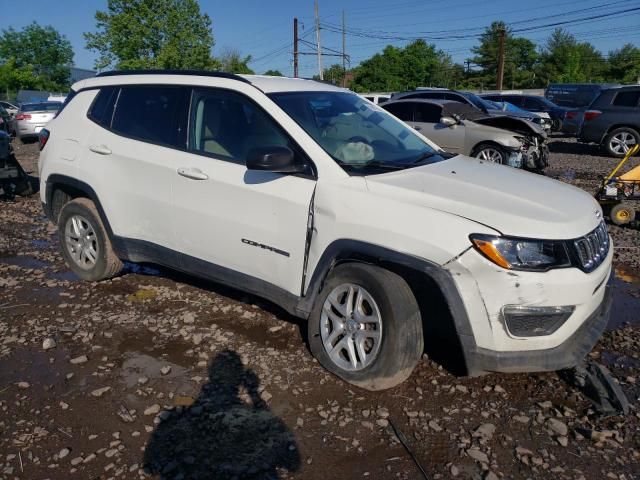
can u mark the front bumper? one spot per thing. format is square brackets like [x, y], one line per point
[568, 354]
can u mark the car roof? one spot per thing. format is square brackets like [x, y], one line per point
[266, 83]
[421, 100]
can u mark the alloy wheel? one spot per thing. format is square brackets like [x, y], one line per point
[622, 142]
[81, 242]
[490, 155]
[351, 327]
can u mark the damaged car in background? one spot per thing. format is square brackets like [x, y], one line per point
[460, 128]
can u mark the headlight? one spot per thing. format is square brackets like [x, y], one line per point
[521, 253]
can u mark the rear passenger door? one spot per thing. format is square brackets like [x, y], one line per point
[231, 220]
[130, 159]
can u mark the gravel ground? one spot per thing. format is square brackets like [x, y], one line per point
[155, 374]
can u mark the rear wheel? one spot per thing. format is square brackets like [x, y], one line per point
[366, 327]
[619, 141]
[621, 214]
[84, 242]
[490, 153]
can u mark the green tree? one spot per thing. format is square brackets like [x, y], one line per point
[333, 74]
[274, 73]
[35, 57]
[233, 62]
[141, 34]
[564, 59]
[623, 65]
[417, 64]
[519, 58]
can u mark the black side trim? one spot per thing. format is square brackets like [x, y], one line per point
[200, 73]
[143, 251]
[353, 250]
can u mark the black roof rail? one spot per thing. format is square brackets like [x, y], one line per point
[202, 73]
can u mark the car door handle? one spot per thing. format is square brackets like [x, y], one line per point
[192, 173]
[100, 149]
[417, 127]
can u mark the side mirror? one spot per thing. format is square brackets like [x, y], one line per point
[273, 158]
[448, 121]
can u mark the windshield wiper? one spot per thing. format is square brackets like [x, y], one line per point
[373, 164]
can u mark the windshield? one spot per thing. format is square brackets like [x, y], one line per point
[42, 107]
[356, 133]
[481, 103]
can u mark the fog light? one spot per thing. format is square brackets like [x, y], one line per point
[534, 321]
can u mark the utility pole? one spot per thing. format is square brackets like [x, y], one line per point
[344, 53]
[318, 40]
[500, 76]
[295, 48]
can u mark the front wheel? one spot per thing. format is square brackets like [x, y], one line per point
[84, 242]
[366, 327]
[490, 153]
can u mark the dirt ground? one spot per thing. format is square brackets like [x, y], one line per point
[155, 374]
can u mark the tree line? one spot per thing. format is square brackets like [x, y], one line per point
[175, 34]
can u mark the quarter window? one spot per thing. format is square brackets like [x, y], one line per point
[229, 126]
[627, 99]
[150, 113]
[101, 110]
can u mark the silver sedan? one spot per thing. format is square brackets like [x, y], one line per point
[32, 117]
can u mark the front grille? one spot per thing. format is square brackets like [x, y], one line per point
[593, 248]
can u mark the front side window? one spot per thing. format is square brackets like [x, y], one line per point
[354, 132]
[428, 113]
[627, 99]
[404, 110]
[226, 125]
[150, 113]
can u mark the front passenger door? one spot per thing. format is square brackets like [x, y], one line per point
[231, 220]
[427, 118]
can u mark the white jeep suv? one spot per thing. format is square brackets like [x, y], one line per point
[316, 199]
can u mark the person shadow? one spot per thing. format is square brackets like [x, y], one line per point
[228, 433]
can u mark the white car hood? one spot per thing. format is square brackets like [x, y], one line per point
[511, 201]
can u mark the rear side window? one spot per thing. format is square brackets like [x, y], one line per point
[101, 110]
[627, 99]
[151, 113]
[404, 111]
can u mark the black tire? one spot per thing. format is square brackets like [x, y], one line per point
[401, 343]
[622, 214]
[107, 264]
[490, 147]
[556, 124]
[608, 144]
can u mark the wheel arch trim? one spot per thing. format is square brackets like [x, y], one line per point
[346, 251]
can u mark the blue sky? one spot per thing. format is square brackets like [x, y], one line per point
[264, 28]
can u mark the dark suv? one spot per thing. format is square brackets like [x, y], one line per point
[613, 120]
[533, 103]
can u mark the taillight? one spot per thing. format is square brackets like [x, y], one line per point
[23, 116]
[43, 137]
[591, 115]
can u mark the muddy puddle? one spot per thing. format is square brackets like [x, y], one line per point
[143, 359]
[24, 262]
[39, 368]
[625, 285]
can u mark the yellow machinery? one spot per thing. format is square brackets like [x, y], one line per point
[616, 193]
